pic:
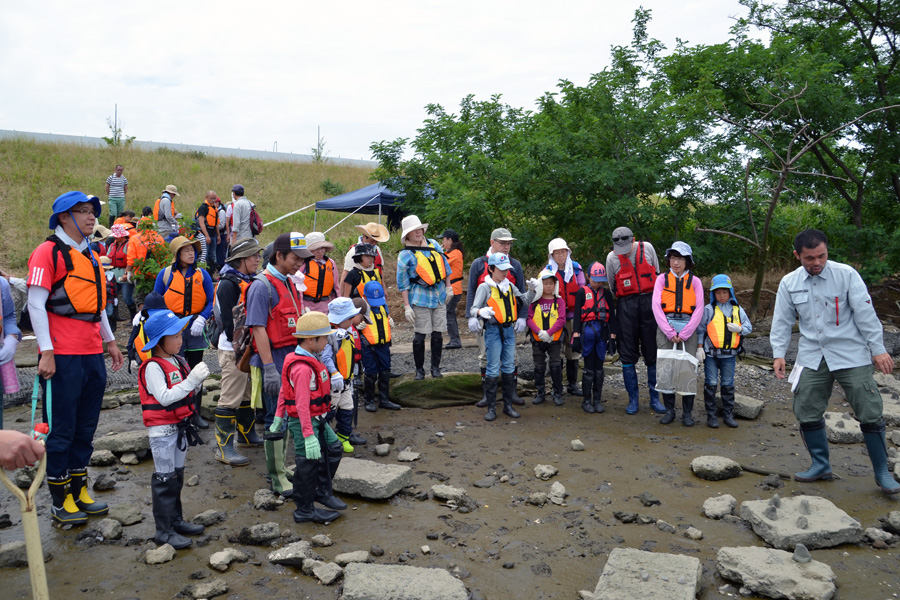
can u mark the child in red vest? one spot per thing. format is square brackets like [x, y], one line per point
[168, 387]
[546, 320]
[305, 398]
[595, 332]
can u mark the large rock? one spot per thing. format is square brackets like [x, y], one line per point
[887, 381]
[775, 574]
[206, 589]
[719, 507]
[14, 554]
[746, 407]
[809, 520]
[221, 560]
[370, 479]
[448, 492]
[545, 472]
[842, 428]
[259, 535]
[328, 573]
[110, 529]
[291, 555]
[397, 582]
[161, 555]
[632, 573]
[119, 443]
[715, 468]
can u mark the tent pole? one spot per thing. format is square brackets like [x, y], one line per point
[315, 218]
[290, 214]
[353, 213]
[379, 213]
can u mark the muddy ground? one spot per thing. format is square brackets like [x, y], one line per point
[505, 548]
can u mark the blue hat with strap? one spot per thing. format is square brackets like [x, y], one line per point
[162, 323]
[68, 201]
[374, 293]
[721, 282]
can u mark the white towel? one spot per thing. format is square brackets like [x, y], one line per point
[794, 377]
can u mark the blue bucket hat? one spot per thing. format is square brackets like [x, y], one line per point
[341, 309]
[67, 201]
[374, 293]
[721, 282]
[162, 323]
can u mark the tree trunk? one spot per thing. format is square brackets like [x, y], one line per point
[764, 242]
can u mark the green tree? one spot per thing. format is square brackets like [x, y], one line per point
[116, 139]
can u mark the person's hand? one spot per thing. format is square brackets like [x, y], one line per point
[883, 362]
[198, 374]
[676, 339]
[361, 325]
[611, 346]
[208, 240]
[733, 327]
[544, 336]
[778, 365]
[197, 326]
[520, 325]
[576, 344]
[129, 276]
[534, 285]
[449, 292]
[8, 349]
[271, 380]
[305, 310]
[115, 355]
[410, 314]
[19, 450]
[486, 313]
[47, 365]
[701, 354]
[313, 450]
[391, 321]
[337, 382]
[277, 424]
[474, 324]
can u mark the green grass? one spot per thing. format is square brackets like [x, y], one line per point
[33, 174]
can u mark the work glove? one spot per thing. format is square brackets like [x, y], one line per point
[128, 277]
[198, 374]
[520, 325]
[276, 425]
[576, 344]
[733, 327]
[361, 325]
[474, 324]
[391, 321]
[337, 382]
[486, 313]
[313, 450]
[611, 347]
[701, 355]
[271, 380]
[449, 293]
[534, 285]
[8, 349]
[409, 314]
[197, 326]
[334, 401]
[544, 336]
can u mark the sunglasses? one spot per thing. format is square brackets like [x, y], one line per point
[624, 238]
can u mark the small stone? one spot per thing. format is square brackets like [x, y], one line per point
[545, 472]
[328, 573]
[715, 468]
[426, 549]
[104, 482]
[440, 434]
[407, 455]
[804, 507]
[504, 478]
[206, 589]
[192, 481]
[577, 445]
[585, 595]
[292, 555]
[447, 492]
[158, 556]
[103, 458]
[625, 517]
[259, 535]
[538, 499]
[485, 482]
[719, 507]
[801, 554]
[802, 523]
[775, 501]
[310, 565]
[382, 449]
[346, 558]
[771, 513]
[15, 554]
[221, 561]
[432, 535]
[5, 521]
[647, 499]
[209, 517]
[321, 541]
[692, 533]
[265, 499]
[110, 529]
[667, 527]
[126, 514]
[129, 458]
[509, 565]
[376, 551]
[386, 437]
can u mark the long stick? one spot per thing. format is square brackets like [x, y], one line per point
[33, 549]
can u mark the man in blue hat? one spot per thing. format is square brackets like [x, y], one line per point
[66, 301]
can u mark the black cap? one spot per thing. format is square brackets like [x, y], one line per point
[238, 189]
[449, 233]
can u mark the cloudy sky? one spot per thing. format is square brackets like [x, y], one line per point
[251, 73]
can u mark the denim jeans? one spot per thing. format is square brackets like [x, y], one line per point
[500, 348]
[719, 366]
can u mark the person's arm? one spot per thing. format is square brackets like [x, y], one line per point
[327, 357]
[697, 315]
[403, 283]
[474, 271]
[167, 213]
[124, 189]
[9, 311]
[228, 295]
[530, 321]
[161, 286]
[613, 318]
[201, 220]
[480, 300]
[658, 313]
[561, 321]
[864, 315]
[210, 292]
[155, 380]
[746, 326]
[783, 317]
[40, 323]
[301, 376]
[579, 306]
[706, 316]
[335, 276]
[107, 188]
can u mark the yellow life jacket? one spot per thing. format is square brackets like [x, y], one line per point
[343, 357]
[545, 321]
[430, 268]
[379, 331]
[364, 278]
[504, 305]
[719, 336]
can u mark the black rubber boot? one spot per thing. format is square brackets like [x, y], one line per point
[418, 347]
[516, 399]
[490, 395]
[226, 421]
[328, 466]
[181, 526]
[540, 395]
[163, 489]
[598, 391]
[437, 347]
[483, 402]
[64, 510]
[587, 389]
[306, 475]
[709, 402]
[572, 377]
[79, 490]
[556, 382]
[369, 382]
[384, 390]
[540, 380]
[198, 420]
[687, 407]
[815, 438]
[728, 406]
[669, 401]
[508, 381]
[246, 427]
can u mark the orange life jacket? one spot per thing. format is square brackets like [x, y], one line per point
[718, 333]
[322, 280]
[504, 305]
[319, 386]
[430, 267]
[155, 413]
[343, 355]
[212, 216]
[81, 294]
[185, 297]
[379, 330]
[595, 307]
[635, 279]
[282, 321]
[156, 213]
[364, 278]
[678, 296]
[546, 320]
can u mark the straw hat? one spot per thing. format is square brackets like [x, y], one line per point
[313, 324]
[410, 224]
[180, 242]
[172, 190]
[376, 231]
[106, 262]
[101, 232]
[316, 240]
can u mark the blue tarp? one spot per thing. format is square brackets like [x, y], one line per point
[370, 198]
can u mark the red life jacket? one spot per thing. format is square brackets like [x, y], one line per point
[320, 395]
[282, 321]
[118, 254]
[568, 290]
[155, 413]
[635, 279]
[595, 307]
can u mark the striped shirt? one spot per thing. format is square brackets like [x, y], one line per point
[116, 186]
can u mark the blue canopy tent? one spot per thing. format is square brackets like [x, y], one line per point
[374, 199]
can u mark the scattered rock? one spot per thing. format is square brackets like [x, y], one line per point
[873, 534]
[715, 468]
[119, 443]
[321, 541]
[774, 573]
[647, 499]
[206, 589]
[382, 449]
[545, 472]
[310, 565]
[158, 556]
[692, 533]
[558, 493]
[376, 551]
[504, 478]
[585, 595]
[209, 517]
[625, 517]
[577, 445]
[25, 477]
[358, 556]
[220, 561]
[426, 549]
[407, 455]
[842, 429]
[291, 555]
[827, 526]
[265, 499]
[746, 407]
[719, 506]
[104, 482]
[538, 499]
[102, 458]
[485, 482]
[259, 535]
[192, 481]
[5, 521]
[447, 492]
[667, 527]
[328, 573]
[369, 479]
[14, 554]
[385, 437]
[129, 458]
[372, 581]
[126, 514]
[110, 529]
[631, 573]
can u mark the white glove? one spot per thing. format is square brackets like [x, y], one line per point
[544, 336]
[197, 326]
[520, 325]
[128, 276]
[198, 374]
[474, 324]
[409, 314]
[116, 302]
[337, 382]
[701, 355]
[449, 292]
[8, 349]
[486, 313]
[534, 285]
[391, 321]
[306, 309]
[733, 327]
[361, 325]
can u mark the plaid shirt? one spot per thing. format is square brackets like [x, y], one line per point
[420, 295]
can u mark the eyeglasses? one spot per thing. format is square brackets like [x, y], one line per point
[86, 211]
[624, 238]
[503, 243]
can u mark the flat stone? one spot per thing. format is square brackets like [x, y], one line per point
[321, 541]
[486, 482]
[384, 582]
[206, 589]
[648, 499]
[259, 535]
[328, 573]
[664, 526]
[192, 481]
[209, 517]
[104, 482]
[126, 514]
[715, 468]
[110, 529]
[719, 507]
[558, 493]
[158, 556]
[408, 455]
[825, 524]
[545, 472]
[14, 554]
[265, 499]
[357, 556]
[746, 407]
[128, 441]
[632, 573]
[842, 429]
[221, 560]
[102, 458]
[386, 437]
[291, 555]
[382, 449]
[577, 445]
[129, 458]
[370, 479]
[448, 492]
[874, 534]
[109, 402]
[775, 574]
[128, 398]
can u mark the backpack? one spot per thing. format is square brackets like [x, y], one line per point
[256, 224]
[242, 340]
[137, 339]
[214, 328]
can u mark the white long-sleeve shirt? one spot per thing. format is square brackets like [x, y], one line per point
[155, 379]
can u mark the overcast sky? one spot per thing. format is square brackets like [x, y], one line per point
[247, 74]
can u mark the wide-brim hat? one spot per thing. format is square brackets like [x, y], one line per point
[376, 231]
[313, 324]
[316, 240]
[410, 224]
[557, 244]
[681, 249]
[374, 293]
[106, 262]
[244, 248]
[101, 232]
[171, 189]
[622, 246]
[160, 324]
[341, 309]
[721, 282]
[364, 250]
[180, 242]
[363, 307]
[67, 201]
[118, 231]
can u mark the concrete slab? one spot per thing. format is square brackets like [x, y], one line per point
[809, 520]
[842, 428]
[775, 574]
[370, 479]
[746, 407]
[631, 573]
[398, 582]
